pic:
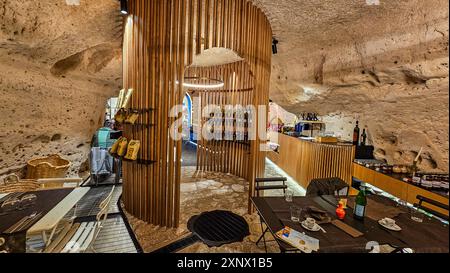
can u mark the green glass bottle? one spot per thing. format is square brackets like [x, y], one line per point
[360, 205]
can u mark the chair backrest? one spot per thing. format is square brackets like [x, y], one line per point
[271, 179]
[327, 186]
[102, 215]
[434, 203]
[262, 186]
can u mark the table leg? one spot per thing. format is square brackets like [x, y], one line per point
[263, 236]
[48, 240]
[44, 237]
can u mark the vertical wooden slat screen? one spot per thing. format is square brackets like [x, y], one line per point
[161, 39]
[227, 156]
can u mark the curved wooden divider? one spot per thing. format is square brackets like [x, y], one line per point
[161, 38]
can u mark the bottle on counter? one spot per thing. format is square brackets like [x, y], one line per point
[426, 183]
[356, 133]
[416, 179]
[364, 138]
[360, 205]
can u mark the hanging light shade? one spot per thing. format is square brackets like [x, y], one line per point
[202, 83]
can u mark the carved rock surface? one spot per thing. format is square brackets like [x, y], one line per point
[386, 65]
[58, 65]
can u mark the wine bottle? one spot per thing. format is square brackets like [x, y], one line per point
[356, 132]
[364, 138]
[360, 205]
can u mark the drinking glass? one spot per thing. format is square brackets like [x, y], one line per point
[296, 214]
[416, 215]
[289, 195]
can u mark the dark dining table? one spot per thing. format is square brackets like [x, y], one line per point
[430, 236]
[45, 201]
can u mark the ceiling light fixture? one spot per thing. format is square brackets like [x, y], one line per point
[202, 83]
[123, 6]
[274, 46]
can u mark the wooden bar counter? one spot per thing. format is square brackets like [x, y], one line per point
[305, 160]
[394, 185]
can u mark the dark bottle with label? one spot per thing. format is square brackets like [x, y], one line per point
[356, 133]
[360, 205]
[364, 138]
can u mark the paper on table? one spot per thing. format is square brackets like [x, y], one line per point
[347, 229]
[299, 240]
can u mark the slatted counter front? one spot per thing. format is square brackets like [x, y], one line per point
[306, 160]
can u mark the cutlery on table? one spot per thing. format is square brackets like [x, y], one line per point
[9, 197]
[14, 226]
[30, 220]
[23, 223]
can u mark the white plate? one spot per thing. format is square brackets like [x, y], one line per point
[314, 229]
[393, 227]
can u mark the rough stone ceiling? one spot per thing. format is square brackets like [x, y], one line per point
[314, 24]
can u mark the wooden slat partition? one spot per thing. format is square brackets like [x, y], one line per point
[306, 160]
[161, 38]
[221, 155]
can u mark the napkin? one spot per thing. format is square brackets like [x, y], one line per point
[319, 215]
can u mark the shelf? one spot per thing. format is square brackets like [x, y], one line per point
[141, 111]
[139, 125]
[311, 122]
[138, 161]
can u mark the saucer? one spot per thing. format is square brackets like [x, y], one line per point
[314, 229]
[393, 227]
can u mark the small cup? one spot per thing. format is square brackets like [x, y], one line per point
[389, 222]
[310, 222]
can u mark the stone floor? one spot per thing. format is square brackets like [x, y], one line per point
[206, 192]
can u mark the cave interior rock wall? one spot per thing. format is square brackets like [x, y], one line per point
[385, 65]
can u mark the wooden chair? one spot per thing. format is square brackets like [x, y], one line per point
[80, 237]
[261, 184]
[328, 186]
[437, 204]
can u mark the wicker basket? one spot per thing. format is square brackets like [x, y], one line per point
[12, 184]
[48, 167]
